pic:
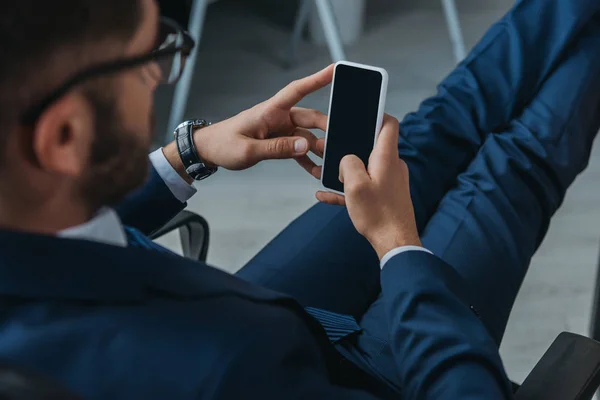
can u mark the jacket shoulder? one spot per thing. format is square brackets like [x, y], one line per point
[201, 344]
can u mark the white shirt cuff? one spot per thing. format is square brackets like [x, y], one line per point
[182, 190]
[398, 250]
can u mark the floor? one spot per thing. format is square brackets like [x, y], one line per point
[240, 65]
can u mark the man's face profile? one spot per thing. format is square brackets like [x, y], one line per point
[123, 123]
[88, 146]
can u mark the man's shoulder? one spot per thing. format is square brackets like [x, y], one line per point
[205, 344]
[169, 346]
[187, 325]
[131, 320]
[219, 317]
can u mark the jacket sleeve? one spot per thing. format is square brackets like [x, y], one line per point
[442, 349]
[151, 206]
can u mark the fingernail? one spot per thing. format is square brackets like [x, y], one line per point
[300, 146]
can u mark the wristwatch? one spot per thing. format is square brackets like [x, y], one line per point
[184, 137]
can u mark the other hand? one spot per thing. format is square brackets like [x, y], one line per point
[378, 199]
[274, 129]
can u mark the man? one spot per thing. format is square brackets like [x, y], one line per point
[96, 305]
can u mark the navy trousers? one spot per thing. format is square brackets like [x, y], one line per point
[490, 157]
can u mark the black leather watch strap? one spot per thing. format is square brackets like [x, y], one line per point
[192, 162]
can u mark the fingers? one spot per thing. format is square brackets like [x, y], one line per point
[353, 171]
[320, 147]
[277, 148]
[310, 167]
[284, 147]
[316, 145]
[387, 142]
[331, 198]
[308, 118]
[297, 90]
[318, 172]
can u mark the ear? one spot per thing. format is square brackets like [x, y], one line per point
[63, 134]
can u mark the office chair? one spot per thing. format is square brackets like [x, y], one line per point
[194, 234]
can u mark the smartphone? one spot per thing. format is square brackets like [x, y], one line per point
[356, 109]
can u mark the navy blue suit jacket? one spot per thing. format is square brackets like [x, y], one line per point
[128, 323]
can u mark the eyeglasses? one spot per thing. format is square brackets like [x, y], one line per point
[173, 46]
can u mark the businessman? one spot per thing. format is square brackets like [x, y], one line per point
[401, 289]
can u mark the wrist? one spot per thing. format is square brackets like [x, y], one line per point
[385, 241]
[201, 137]
[172, 155]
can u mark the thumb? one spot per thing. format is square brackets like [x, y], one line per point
[281, 147]
[352, 171]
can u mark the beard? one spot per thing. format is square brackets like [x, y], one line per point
[118, 157]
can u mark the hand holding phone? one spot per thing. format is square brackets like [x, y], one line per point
[378, 199]
[356, 111]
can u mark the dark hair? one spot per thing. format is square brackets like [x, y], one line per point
[41, 39]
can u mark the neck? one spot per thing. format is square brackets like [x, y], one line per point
[47, 217]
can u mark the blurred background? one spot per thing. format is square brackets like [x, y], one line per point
[243, 59]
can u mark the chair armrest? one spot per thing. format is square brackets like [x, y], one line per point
[569, 370]
[194, 234]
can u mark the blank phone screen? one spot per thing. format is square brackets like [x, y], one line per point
[352, 119]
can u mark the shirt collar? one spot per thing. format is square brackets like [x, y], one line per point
[105, 227]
